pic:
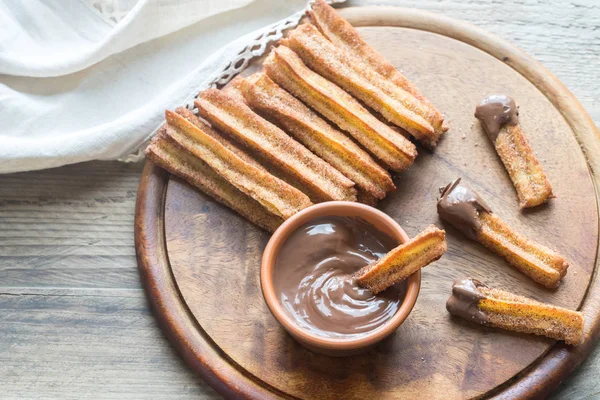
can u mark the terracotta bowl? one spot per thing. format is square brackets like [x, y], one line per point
[313, 342]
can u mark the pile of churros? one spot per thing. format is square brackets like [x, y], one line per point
[329, 118]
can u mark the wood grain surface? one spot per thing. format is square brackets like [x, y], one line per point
[75, 321]
[214, 256]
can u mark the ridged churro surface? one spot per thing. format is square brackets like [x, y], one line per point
[540, 263]
[285, 68]
[465, 210]
[403, 261]
[525, 171]
[476, 302]
[233, 116]
[344, 35]
[274, 194]
[171, 157]
[499, 118]
[393, 103]
[277, 105]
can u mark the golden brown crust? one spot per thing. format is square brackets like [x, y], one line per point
[171, 157]
[508, 311]
[520, 314]
[365, 197]
[190, 117]
[234, 117]
[536, 261]
[272, 193]
[393, 103]
[525, 171]
[341, 33]
[233, 88]
[287, 70]
[268, 99]
[403, 261]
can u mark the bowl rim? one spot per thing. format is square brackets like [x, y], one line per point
[334, 208]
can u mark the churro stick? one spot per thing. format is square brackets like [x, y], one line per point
[286, 177]
[466, 211]
[499, 117]
[362, 196]
[393, 103]
[403, 261]
[192, 118]
[268, 99]
[233, 88]
[476, 302]
[272, 193]
[341, 33]
[287, 70]
[234, 117]
[168, 155]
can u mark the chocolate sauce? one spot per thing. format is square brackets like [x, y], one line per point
[461, 206]
[494, 112]
[464, 299]
[313, 276]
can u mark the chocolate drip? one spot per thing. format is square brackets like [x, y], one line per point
[464, 300]
[496, 111]
[461, 206]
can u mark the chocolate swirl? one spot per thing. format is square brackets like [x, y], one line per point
[313, 275]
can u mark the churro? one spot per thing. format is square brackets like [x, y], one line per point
[341, 33]
[168, 155]
[287, 70]
[465, 210]
[393, 103]
[233, 88]
[272, 102]
[192, 118]
[403, 261]
[365, 197]
[499, 117]
[476, 302]
[272, 193]
[233, 116]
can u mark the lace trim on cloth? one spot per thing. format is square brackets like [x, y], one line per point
[255, 48]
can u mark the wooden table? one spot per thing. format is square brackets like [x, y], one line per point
[74, 322]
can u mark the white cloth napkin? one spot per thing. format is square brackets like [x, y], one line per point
[77, 86]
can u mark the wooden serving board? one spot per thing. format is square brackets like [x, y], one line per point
[200, 262]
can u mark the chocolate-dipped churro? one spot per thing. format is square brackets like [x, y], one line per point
[499, 117]
[476, 302]
[466, 211]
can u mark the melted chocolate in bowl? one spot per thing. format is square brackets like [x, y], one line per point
[313, 277]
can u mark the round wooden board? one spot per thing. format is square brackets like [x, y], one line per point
[200, 262]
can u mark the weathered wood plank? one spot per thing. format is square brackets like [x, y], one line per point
[69, 227]
[88, 344]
